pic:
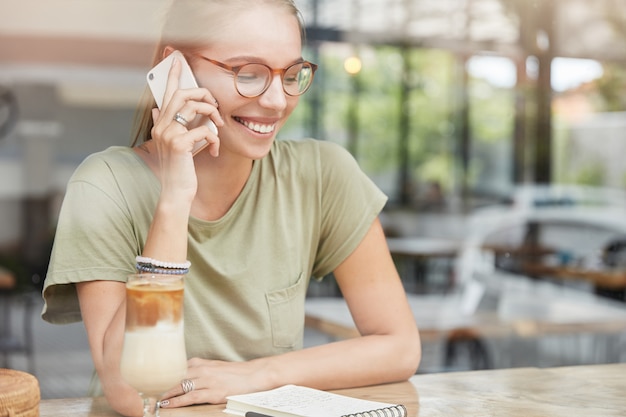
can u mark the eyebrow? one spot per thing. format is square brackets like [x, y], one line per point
[256, 59]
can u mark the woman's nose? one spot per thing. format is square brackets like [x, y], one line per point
[274, 96]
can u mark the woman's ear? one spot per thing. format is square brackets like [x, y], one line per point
[167, 50]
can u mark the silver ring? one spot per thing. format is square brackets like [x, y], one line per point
[188, 385]
[181, 119]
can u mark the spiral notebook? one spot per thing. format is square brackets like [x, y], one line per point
[299, 401]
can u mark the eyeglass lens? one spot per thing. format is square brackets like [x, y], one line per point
[253, 79]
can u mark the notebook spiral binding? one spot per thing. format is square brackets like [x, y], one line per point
[395, 411]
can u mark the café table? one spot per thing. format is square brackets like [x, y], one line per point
[605, 278]
[419, 255]
[513, 313]
[423, 247]
[590, 390]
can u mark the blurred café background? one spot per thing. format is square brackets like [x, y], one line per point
[496, 127]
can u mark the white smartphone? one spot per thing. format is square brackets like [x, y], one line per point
[157, 81]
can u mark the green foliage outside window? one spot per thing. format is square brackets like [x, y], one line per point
[364, 114]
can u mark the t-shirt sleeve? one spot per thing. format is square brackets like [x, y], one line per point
[93, 241]
[350, 203]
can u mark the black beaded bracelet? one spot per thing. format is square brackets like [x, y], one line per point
[143, 267]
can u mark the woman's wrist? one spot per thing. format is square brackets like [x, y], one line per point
[167, 237]
[176, 197]
[173, 207]
[265, 374]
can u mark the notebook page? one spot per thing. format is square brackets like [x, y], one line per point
[302, 401]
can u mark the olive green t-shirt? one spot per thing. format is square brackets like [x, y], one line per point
[304, 209]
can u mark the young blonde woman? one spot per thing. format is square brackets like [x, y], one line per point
[257, 219]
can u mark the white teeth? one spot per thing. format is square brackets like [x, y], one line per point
[257, 127]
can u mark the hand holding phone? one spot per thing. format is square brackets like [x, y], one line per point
[157, 81]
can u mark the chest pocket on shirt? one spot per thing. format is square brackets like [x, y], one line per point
[286, 308]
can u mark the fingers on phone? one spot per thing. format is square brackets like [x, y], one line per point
[206, 138]
[193, 108]
[214, 147]
[172, 81]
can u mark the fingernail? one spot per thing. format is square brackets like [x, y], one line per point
[164, 403]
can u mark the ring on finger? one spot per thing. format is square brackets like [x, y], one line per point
[188, 385]
[181, 119]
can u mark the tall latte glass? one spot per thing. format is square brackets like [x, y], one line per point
[154, 358]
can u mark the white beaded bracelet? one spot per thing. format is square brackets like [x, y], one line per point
[161, 264]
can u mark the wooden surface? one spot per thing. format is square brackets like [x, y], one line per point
[529, 259]
[7, 279]
[568, 392]
[596, 390]
[517, 314]
[605, 278]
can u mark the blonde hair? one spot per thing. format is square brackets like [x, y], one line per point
[191, 25]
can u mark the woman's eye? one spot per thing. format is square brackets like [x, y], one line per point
[291, 79]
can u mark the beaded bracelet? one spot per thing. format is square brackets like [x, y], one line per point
[143, 267]
[167, 265]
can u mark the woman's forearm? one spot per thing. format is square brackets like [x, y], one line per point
[122, 397]
[167, 237]
[103, 309]
[366, 360]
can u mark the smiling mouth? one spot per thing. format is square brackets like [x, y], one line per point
[257, 127]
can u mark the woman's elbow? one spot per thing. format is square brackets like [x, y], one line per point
[405, 356]
[411, 355]
[123, 399]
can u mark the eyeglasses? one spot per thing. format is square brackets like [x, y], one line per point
[252, 80]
